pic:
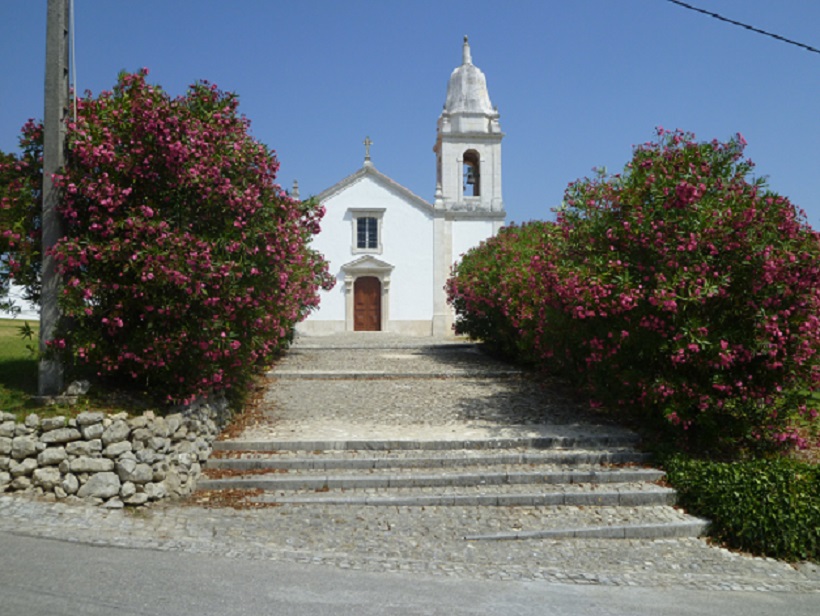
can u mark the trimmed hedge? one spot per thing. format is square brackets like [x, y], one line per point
[766, 507]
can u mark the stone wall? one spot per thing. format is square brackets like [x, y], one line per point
[112, 460]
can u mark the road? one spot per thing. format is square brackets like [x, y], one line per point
[40, 577]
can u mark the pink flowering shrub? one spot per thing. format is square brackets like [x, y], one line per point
[683, 292]
[490, 289]
[184, 265]
[20, 206]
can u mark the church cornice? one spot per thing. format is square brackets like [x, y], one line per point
[471, 214]
[454, 136]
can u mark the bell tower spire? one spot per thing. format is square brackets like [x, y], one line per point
[468, 143]
[466, 56]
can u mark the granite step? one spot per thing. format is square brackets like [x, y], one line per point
[356, 375]
[619, 495]
[572, 484]
[555, 441]
[238, 460]
[307, 480]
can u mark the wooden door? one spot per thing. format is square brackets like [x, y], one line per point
[367, 304]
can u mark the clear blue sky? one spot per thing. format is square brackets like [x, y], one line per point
[577, 82]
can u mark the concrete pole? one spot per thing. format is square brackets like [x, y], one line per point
[50, 381]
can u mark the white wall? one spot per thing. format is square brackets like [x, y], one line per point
[407, 244]
[29, 312]
[469, 233]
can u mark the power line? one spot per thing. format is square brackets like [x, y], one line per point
[747, 26]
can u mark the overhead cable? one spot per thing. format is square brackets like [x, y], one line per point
[747, 26]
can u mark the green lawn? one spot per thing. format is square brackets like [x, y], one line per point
[18, 367]
[18, 380]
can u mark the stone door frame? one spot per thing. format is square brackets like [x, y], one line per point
[367, 266]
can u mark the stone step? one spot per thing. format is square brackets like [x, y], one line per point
[308, 480]
[618, 495]
[557, 441]
[409, 459]
[354, 375]
[462, 361]
[573, 485]
[694, 527]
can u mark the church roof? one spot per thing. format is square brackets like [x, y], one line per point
[368, 170]
[467, 90]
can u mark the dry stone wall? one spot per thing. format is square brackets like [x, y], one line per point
[112, 460]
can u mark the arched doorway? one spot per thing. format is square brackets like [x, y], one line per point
[367, 304]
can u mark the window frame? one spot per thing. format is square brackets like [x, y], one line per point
[377, 214]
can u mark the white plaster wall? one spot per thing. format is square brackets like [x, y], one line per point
[331, 303]
[28, 311]
[469, 233]
[407, 244]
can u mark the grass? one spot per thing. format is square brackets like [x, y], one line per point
[18, 379]
[18, 367]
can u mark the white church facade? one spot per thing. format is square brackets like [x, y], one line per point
[390, 250]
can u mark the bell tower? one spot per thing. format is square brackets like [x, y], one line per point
[468, 207]
[468, 144]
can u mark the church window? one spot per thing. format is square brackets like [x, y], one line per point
[367, 233]
[367, 230]
[472, 174]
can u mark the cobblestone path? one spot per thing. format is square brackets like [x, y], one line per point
[382, 388]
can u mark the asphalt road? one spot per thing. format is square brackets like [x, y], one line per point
[40, 577]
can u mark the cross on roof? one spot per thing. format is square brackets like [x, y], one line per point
[367, 144]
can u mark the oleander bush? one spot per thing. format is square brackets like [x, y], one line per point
[184, 265]
[20, 206]
[767, 506]
[490, 292]
[681, 292]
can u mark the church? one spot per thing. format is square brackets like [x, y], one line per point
[390, 250]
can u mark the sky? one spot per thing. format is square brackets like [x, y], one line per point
[577, 82]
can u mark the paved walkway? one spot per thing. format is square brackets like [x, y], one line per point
[451, 397]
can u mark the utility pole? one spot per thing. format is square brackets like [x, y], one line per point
[50, 382]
